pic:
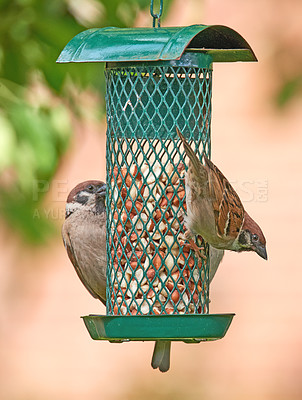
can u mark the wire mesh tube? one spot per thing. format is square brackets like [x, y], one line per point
[152, 268]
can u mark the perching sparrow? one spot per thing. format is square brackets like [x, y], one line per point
[84, 235]
[214, 209]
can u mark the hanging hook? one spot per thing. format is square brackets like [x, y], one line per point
[158, 15]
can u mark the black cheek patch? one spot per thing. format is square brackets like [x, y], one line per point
[100, 206]
[82, 199]
[242, 238]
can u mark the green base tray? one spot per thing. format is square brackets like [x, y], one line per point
[187, 328]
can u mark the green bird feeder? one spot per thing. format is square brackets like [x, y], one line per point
[157, 79]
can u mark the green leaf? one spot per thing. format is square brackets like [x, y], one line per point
[290, 89]
[7, 143]
[25, 217]
[34, 136]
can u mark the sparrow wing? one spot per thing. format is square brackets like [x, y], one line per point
[73, 259]
[228, 209]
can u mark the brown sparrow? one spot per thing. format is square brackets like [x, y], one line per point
[214, 209]
[84, 235]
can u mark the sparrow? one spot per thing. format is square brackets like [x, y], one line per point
[215, 211]
[84, 235]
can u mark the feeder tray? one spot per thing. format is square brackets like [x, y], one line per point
[186, 328]
[157, 79]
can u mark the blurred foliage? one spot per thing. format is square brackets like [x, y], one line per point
[38, 97]
[289, 90]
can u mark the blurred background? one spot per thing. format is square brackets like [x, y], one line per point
[52, 136]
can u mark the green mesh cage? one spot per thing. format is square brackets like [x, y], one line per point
[157, 79]
[152, 267]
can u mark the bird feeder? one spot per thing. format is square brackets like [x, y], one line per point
[157, 79]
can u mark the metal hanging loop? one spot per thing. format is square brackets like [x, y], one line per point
[156, 16]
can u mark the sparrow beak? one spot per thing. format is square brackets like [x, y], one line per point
[261, 251]
[101, 190]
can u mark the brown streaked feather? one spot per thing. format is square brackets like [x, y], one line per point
[74, 262]
[228, 209]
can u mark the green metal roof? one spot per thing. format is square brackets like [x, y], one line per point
[153, 44]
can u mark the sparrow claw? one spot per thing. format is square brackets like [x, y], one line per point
[199, 250]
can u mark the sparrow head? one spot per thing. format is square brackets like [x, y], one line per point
[251, 237]
[88, 195]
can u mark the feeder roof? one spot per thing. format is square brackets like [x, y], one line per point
[154, 44]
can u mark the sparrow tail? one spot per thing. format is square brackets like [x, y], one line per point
[215, 256]
[196, 163]
[161, 356]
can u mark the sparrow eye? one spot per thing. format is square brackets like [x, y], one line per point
[255, 237]
[90, 188]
